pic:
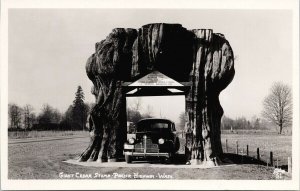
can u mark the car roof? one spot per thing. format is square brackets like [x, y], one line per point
[155, 119]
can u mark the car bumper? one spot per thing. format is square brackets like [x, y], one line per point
[138, 154]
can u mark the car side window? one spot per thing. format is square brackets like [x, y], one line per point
[173, 127]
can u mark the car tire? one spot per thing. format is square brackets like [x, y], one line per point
[177, 144]
[168, 160]
[128, 159]
[162, 160]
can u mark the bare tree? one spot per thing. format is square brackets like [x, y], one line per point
[278, 106]
[28, 116]
[137, 104]
[182, 120]
[15, 116]
[149, 112]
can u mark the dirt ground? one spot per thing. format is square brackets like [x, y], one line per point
[44, 160]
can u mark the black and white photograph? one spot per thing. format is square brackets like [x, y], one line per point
[108, 95]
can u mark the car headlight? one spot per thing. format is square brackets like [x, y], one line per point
[131, 141]
[161, 141]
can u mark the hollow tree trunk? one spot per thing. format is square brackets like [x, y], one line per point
[199, 56]
[107, 68]
[212, 71]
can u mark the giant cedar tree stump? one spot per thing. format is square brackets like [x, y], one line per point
[199, 56]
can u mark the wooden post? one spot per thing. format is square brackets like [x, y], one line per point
[289, 165]
[226, 146]
[247, 151]
[258, 157]
[237, 147]
[277, 162]
[271, 158]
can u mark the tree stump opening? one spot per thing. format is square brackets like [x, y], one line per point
[199, 56]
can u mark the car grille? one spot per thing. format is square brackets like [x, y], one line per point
[150, 147]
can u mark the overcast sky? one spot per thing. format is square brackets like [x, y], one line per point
[48, 49]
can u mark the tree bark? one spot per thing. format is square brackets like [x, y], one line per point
[212, 71]
[199, 56]
[280, 128]
[107, 68]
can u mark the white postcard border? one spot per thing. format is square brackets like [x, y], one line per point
[148, 184]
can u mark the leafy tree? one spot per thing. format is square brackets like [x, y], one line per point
[79, 110]
[133, 115]
[66, 122]
[49, 115]
[79, 97]
[238, 123]
[257, 124]
[241, 123]
[278, 106]
[227, 123]
[15, 116]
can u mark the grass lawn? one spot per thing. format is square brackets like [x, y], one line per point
[44, 160]
[280, 145]
[39, 134]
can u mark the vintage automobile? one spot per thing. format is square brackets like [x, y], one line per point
[152, 137]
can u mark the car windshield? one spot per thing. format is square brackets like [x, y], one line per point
[152, 126]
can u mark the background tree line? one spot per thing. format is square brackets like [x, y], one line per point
[49, 118]
[134, 113]
[242, 123]
[277, 112]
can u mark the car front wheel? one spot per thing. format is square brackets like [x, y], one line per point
[168, 160]
[128, 159]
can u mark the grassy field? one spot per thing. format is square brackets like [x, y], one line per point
[44, 160]
[39, 134]
[266, 141]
